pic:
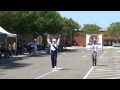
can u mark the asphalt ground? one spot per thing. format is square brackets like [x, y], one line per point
[73, 64]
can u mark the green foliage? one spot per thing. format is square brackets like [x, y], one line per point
[114, 29]
[90, 29]
[69, 25]
[21, 22]
[106, 34]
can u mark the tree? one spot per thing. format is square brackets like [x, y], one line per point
[21, 22]
[114, 30]
[15, 21]
[30, 21]
[90, 29]
[52, 21]
[69, 25]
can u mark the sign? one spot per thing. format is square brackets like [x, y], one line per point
[90, 38]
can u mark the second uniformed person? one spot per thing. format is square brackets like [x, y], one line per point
[95, 49]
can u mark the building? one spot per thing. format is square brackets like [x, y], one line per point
[106, 40]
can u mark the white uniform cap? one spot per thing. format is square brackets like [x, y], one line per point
[35, 39]
[53, 39]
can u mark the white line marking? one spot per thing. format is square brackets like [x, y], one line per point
[88, 54]
[104, 70]
[62, 53]
[88, 72]
[116, 48]
[59, 68]
[85, 55]
[103, 60]
[114, 78]
[104, 75]
[102, 55]
[48, 73]
[44, 75]
[117, 51]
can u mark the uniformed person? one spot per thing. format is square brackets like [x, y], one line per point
[54, 49]
[95, 49]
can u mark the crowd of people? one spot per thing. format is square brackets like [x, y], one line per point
[18, 48]
[22, 46]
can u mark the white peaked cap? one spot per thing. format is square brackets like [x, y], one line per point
[35, 39]
[53, 39]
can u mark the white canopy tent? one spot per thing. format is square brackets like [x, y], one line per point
[6, 34]
[3, 32]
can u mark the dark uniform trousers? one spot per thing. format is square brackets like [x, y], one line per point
[94, 58]
[54, 58]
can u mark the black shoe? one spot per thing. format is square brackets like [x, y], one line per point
[95, 64]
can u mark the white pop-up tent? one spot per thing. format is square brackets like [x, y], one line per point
[6, 34]
[3, 32]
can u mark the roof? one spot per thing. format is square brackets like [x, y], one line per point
[3, 32]
[103, 29]
[100, 30]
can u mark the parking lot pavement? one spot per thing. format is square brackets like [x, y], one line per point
[74, 64]
[108, 66]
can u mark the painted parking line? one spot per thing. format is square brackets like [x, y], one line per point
[102, 55]
[86, 55]
[114, 78]
[91, 68]
[44, 75]
[63, 53]
[88, 73]
[48, 73]
[104, 75]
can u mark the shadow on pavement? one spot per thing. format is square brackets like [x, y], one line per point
[11, 63]
[102, 65]
[73, 50]
[67, 69]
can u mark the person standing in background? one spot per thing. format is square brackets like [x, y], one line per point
[10, 50]
[35, 47]
[14, 48]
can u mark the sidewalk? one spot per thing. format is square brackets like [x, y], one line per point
[75, 47]
[27, 54]
[110, 47]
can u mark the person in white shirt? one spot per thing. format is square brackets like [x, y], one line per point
[35, 47]
[10, 50]
[54, 49]
[95, 49]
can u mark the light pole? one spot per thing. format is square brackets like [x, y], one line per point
[72, 36]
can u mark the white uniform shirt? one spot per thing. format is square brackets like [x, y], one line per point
[94, 47]
[35, 46]
[51, 44]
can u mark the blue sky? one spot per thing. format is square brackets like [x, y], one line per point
[101, 18]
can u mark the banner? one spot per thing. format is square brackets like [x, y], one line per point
[90, 38]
